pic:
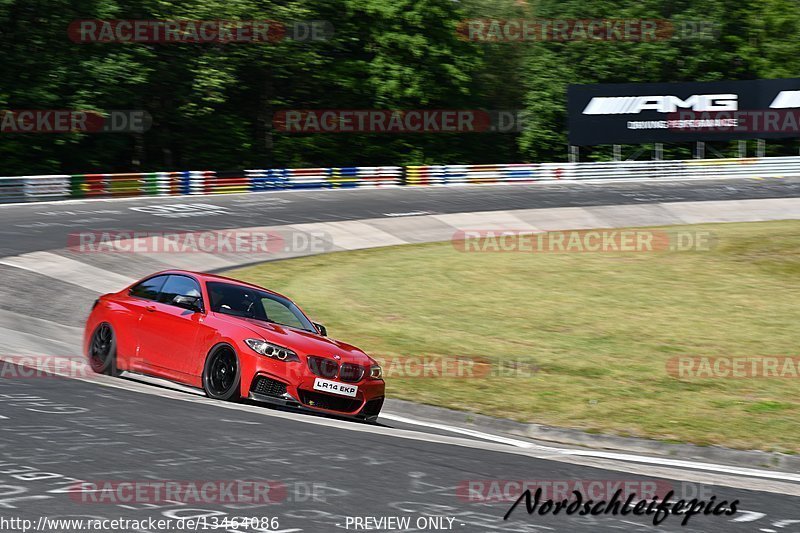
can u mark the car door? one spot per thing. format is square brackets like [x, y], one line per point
[128, 323]
[169, 328]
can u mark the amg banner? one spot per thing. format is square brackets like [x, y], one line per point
[633, 113]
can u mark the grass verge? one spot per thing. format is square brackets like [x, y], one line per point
[598, 328]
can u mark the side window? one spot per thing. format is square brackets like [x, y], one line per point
[149, 288]
[179, 286]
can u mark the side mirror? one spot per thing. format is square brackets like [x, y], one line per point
[322, 329]
[192, 303]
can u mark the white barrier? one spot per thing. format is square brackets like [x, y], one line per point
[670, 169]
[37, 188]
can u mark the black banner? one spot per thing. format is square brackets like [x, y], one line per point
[633, 113]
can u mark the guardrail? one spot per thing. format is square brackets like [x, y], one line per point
[41, 188]
[526, 173]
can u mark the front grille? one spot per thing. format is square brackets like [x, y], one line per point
[327, 401]
[351, 373]
[372, 407]
[268, 387]
[322, 367]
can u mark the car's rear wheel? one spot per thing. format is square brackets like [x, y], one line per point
[221, 374]
[103, 350]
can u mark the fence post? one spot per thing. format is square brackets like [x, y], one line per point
[574, 155]
[700, 150]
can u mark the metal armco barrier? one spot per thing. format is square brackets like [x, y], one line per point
[460, 174]
[323, 178]
[40, 188]
[691, 168]
[44, 187]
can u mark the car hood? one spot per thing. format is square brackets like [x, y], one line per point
[302, 342]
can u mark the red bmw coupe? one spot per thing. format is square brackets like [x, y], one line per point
[232, 339]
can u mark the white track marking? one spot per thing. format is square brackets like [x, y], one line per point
[749, 472]
[747, 516]
[69, 271]
[784, 523]
[751, 484]
[408, 214]
[644, 465]
[465, 431]
[619, 461]
[246, 422]
[150, 380]
[662, 461]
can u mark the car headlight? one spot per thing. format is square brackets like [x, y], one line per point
[271, 350]
[375, 372]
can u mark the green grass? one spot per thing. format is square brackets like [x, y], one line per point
[599, 327]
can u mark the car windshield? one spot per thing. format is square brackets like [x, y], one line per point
[247, 302]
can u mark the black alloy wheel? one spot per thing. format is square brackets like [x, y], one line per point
[221, 374]
[103, 351]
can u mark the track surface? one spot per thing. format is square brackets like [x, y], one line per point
[33, 227]
[79, 430]
[74, 430]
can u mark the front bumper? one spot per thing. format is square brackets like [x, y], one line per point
[276, 390]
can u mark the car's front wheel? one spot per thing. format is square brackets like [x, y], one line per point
[221, 374]
[103, 350]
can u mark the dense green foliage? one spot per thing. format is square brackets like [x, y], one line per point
[213, 104]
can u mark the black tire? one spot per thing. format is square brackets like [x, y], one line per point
[103, 350]
[222, 374]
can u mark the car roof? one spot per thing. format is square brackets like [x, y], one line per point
[206, 277]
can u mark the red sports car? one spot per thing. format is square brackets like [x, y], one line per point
[234, 340]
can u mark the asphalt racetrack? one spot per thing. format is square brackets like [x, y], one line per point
[56, 432]
[44, 226]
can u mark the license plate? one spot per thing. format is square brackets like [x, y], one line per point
[334, 387]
